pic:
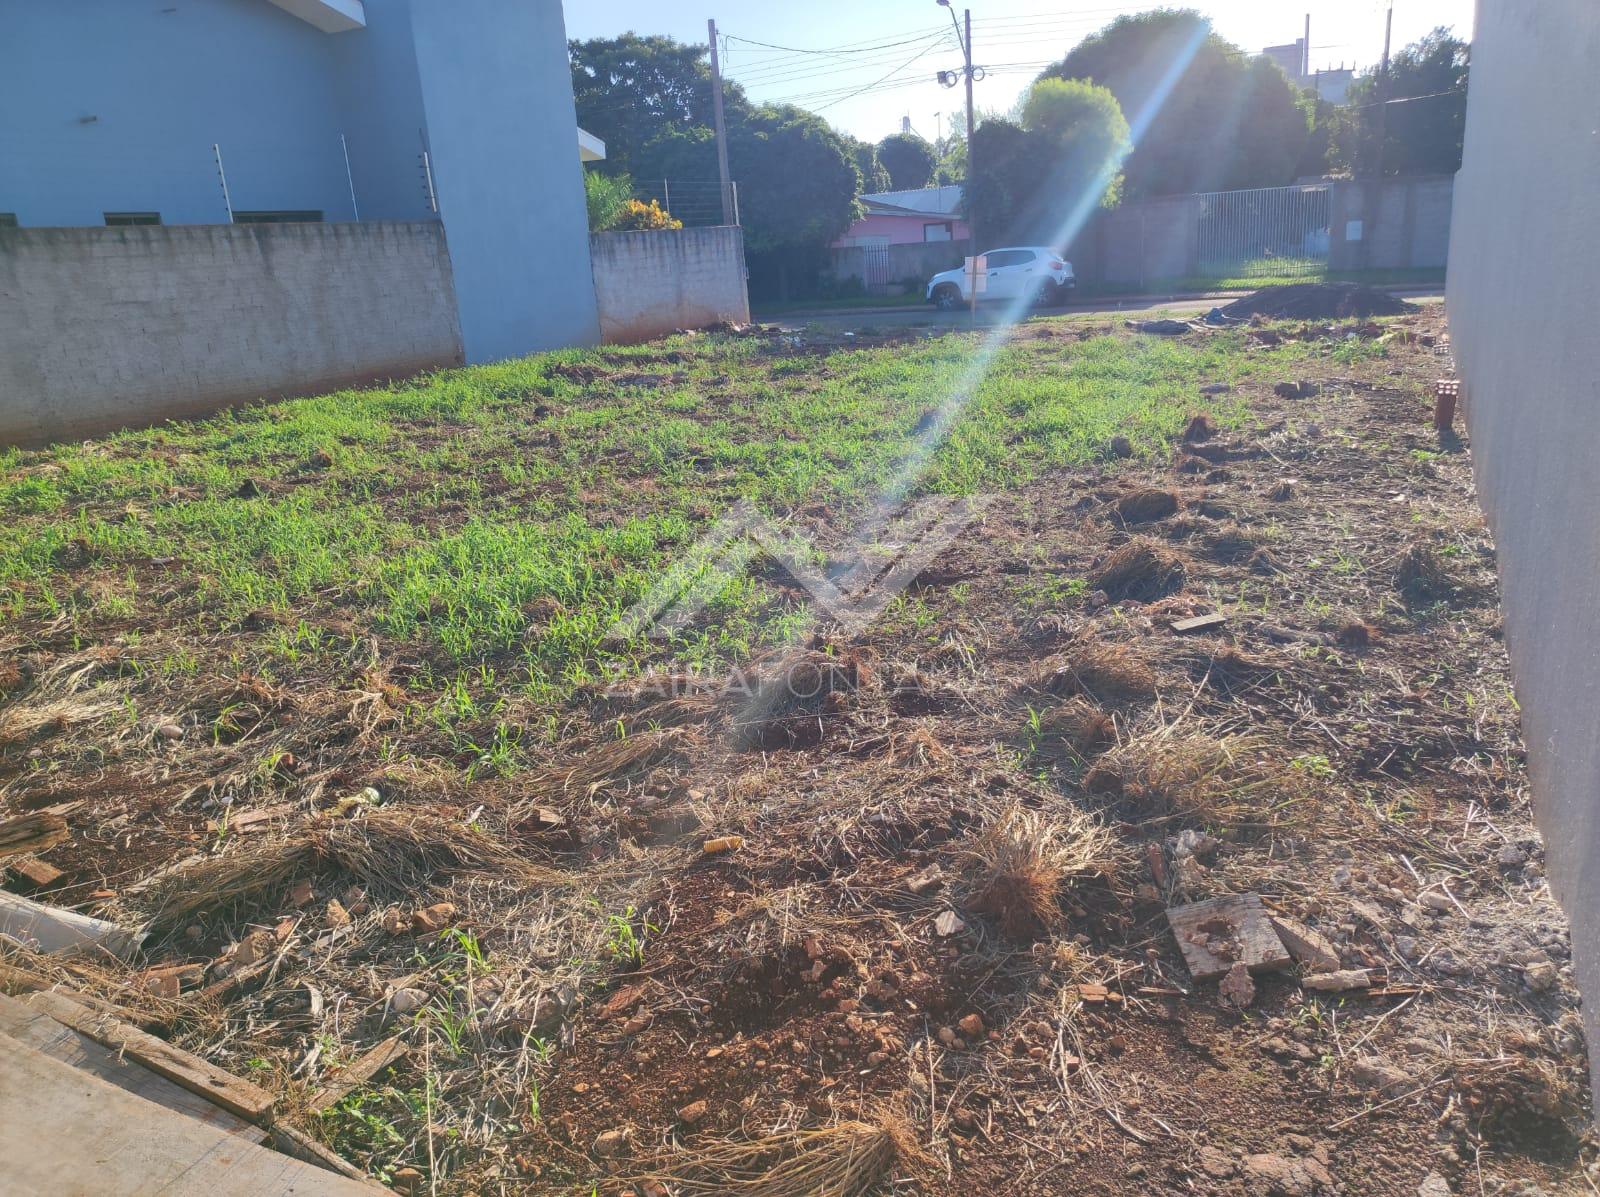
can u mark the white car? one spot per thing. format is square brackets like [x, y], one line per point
[1031, 272]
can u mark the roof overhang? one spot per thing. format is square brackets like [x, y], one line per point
[330, 16]
[590, 147]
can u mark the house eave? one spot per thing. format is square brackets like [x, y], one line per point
[330, 16]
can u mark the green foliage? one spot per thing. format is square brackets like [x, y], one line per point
[909, 160]
[606, 197]
[498, 564]
[1069, 144]
[864, 154]
[1420, 137]
[1227, 122]
[629, 90]
[797, 182]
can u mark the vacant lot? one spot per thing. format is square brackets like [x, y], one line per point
[326, 694]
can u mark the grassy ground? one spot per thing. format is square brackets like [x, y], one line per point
[436, 513]
[324, 694]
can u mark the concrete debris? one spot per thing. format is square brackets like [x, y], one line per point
[1338, 982]
[1369, 1072]
[1216, 1164]
[433, 918]
[1434, 1185]
[1309, 947]
[1237, 989]
[1286, 1176]
[1540, 976]
[949, 923]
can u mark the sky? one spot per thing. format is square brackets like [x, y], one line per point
[882, 55]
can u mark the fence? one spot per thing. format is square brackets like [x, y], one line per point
[696, 202]
[1276, 232]
[1266, 232]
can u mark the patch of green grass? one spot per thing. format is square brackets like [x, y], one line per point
[495, 521]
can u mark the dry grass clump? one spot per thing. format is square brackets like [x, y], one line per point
[1424, 577]
[1231, 543]
[1145, 504]
[1224, 782]
[389, 850]
[843, 1160]
[581, 776]
[1080, 725]
[791, 695]
[1140, 569]
[1108, 672]
[1020, 860]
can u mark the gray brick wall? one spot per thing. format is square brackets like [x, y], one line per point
[105, 328]
[650, 283]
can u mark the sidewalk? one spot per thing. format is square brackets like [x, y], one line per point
[1096, 303]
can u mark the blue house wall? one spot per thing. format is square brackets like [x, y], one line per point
[113, 106]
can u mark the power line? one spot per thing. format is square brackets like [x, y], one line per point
[836, 50]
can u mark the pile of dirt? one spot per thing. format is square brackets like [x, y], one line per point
[1318, 301]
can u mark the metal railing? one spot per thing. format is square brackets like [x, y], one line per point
[696, 202]
[1266, 232]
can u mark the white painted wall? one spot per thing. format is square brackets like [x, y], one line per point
[1523, 291]
[104, 328]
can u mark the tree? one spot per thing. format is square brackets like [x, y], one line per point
[865, 156]
[630, 90]
[1033, 173]
[1084, 128]
[1225, 122]
[909, 160]
[797, 184]
[1423, 134]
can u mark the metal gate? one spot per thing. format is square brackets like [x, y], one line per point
[1267, 232]
[875, 266]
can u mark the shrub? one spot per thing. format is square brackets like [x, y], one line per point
[638, 216]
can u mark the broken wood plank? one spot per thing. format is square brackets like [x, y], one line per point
[1199, 623]
[1216, 934]
[37, 874]
[34, 832]
[359, 1072]
[120, 1143]
[23, 1024]
[49, 929]
[307, 1150]
[261, 819]
[232, 1093]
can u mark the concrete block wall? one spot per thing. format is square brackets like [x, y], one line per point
[1524, 282]
[1405, 223]
[113, 327]
[647, 284]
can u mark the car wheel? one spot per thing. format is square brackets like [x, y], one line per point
[1053, 295]
[947, 298]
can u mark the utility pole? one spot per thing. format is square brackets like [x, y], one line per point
[1383, 96]
[722, 129]
[972, 227]
[1305, 53]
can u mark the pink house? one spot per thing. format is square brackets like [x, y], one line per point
[905, 217]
